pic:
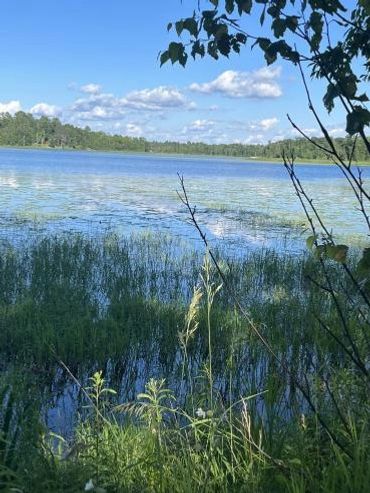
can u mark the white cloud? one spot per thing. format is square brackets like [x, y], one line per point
[265, 124]
[268, 73]
[337, 132]
[107, 106]
[156, 99]
[255, 139]
[208, 131]
[133, 130]
[44, 109]
[10, 107]
[258, 84]
[98, 107]
[310, 132]
[333, 130]
[278, 137]
[201, 125]
[91, 88]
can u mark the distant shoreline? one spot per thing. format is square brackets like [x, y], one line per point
[254, 159]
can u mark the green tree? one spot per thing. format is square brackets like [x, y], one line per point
[326, 37]
[327, 40]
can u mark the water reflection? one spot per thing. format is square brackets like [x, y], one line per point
[246, 203]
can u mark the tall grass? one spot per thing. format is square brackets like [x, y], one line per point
[200, 406]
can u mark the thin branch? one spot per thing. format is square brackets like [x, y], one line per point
[192, 211]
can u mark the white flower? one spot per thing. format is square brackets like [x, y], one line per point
[200, 413]
[89, 486]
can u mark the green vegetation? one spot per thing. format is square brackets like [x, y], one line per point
[145, 309]
[320, 37]
[23, 130]
[248, 373]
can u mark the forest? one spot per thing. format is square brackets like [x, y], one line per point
[23, 129]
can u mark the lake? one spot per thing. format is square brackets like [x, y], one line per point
[119, 306]
[248, 203]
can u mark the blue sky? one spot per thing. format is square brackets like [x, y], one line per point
[94, 62]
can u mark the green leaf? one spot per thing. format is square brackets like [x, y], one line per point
[310, 242]
[109, 391]
[221, 31]
[177, 53]
[191, 25]
[316, 23]
[292, 22]
[244, 6]
[337, 252]
[332, 92]
[263, 43]
[165, 56]
[212, 49]
[328, 6]
[241, 38]
[179, 26]
[366, 6]
[229, 6]
[350, 86]
[223, 45]
[197, 49]
[262, 18]
[357, 120]
[363, 98]
[279, 27]
[173, 51]
[273, 11]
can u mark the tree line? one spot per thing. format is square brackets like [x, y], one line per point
[23, 129]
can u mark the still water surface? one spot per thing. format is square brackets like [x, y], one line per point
[91, 192]
[239, 203]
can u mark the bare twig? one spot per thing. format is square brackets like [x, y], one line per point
[183, 196]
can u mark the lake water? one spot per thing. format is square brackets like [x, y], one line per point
[248, 202]
[240, 204]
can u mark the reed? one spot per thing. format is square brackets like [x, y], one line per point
[198, 404]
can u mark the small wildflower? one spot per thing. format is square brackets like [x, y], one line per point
[303, 422]
[89, 486]
[200, 413]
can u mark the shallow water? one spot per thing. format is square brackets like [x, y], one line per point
[249, 203]
[240, 204]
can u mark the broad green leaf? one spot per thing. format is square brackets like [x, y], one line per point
[292, 22]
[244, 6]
[316, 23]
[310, 242]
[241, 38]
[279, 27]
[197, 49]
[229, 6]
[165, 56]
[357, 120]
[337, 252]
[191, 25]
[179, 26]
[332, 92]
